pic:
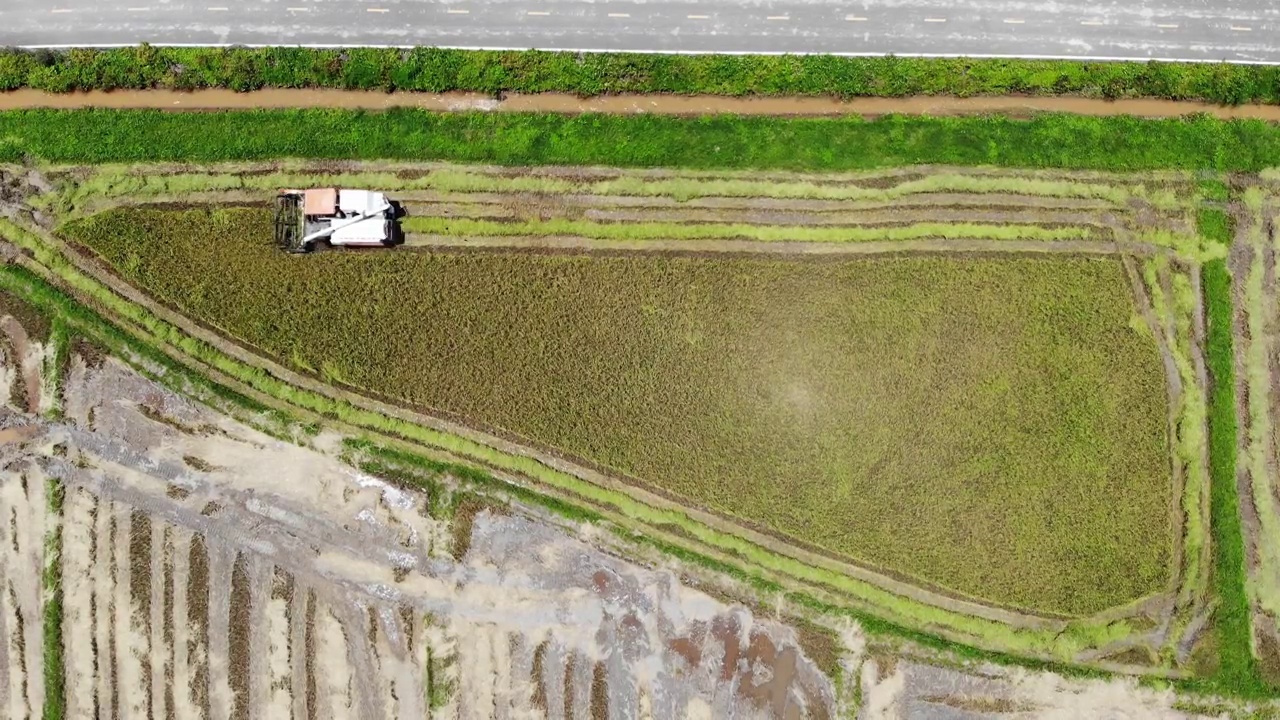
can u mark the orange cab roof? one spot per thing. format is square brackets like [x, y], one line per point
[320, 201]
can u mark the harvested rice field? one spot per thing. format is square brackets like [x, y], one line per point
[963, 343]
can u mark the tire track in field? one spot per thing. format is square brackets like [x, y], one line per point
[747, 248]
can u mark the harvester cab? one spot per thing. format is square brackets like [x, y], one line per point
[348, 218]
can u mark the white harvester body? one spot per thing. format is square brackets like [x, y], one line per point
[341, 217]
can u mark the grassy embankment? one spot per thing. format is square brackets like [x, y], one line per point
[812, 145]
[438, 70]
[681, 373]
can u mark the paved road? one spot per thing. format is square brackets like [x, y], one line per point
[1236, 30]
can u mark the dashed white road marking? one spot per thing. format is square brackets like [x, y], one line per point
[145, 9]
[854, 18]
[1241, 28]
[1090, 22]
[217, 9]
[935, 20]
[620, 15]
[697, 17]
[1167, 26]
[60, 10]
[538, 12]
[778, 17]
[297, 9]
[1013, 21]
[377, 10]
[455, 11]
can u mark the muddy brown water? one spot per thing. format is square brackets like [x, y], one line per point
[1014, 105]
[19, 434]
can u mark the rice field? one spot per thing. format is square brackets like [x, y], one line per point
[876, 408]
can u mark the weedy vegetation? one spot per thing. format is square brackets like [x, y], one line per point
[441, 70]
[719, 142]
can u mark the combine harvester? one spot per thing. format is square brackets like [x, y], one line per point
[305, 219]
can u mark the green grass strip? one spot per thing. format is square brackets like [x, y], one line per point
[54, 673]
[1238, 672]
[438, 70]
[463, 227]
[134, 181]
[720, 142]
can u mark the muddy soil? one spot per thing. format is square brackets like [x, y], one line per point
[1018, 106]
[339, 535]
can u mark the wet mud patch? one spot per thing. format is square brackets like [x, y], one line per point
[763, 673]
[689, 646]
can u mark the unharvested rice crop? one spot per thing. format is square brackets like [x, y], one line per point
[991, 425]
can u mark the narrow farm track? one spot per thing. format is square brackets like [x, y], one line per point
[363, 616]
[748, 247]
[1018, 106]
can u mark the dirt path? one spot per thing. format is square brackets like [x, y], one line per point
[1021, 106]
[784, 217]
[1092, 247]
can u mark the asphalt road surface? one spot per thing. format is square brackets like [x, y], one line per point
[1235, 30]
